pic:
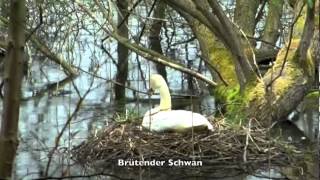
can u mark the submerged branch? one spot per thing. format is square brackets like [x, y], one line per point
[53, 56]
[49, 88]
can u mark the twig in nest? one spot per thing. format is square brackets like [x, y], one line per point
[247, 142]
[224, 147]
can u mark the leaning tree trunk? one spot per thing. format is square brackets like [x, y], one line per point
[287, 83]
[12, 87]
[268, 98]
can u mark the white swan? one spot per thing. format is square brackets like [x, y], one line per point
[163, 119]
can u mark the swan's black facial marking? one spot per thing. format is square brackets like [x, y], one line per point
[150, 91]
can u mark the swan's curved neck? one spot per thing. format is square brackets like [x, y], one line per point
[165, 98]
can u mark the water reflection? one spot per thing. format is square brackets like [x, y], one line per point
[306, 117]
[42, 118]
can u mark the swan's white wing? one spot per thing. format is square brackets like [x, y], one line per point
[177, 120]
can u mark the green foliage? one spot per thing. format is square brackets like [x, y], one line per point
[314, 94]
[233, 102]
[129, 116]
[311, 100]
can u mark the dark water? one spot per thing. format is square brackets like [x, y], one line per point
[42, 118]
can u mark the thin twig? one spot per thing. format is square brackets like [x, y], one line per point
[38, 26]
[247, 142]
[57, 140]
[260, 13]
[84, 176]
[109, 80]
[147, 53]
[214, 69]
[288, 49]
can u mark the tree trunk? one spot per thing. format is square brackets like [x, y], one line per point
[122, 66]
[272, 27]
[267, 99]
[154, 37]
[286, 84]
[272, 99]
[12, 87]
[244, 15]
[245, 95]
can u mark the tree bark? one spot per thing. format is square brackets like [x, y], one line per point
[289, 78]
[244, 15]
[154, 37]
[218, 23]
[268, 99]
[12, 87]
[286, 84]
[122, 66]
[271, 99]
[272, 27]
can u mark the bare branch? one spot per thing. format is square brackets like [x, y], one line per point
[222, 27]
[149, 54]
[46, 51]
[158, 58]
[187, 6]
[288, 49]
[235, 41]
[74, 113]
[217, 28]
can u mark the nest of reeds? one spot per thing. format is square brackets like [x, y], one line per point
[247, 147]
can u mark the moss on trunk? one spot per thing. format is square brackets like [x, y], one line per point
[268, 98]
[260, 99]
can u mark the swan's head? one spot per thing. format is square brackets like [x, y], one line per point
[156, 82]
